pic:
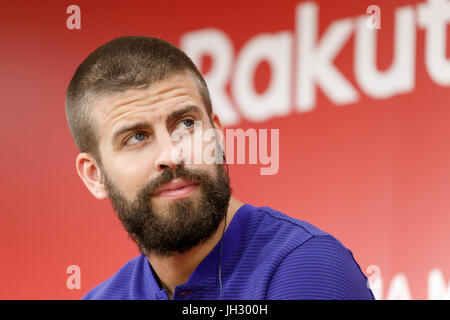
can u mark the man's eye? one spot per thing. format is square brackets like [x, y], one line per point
[185, 125]
[136, 138]
[188, 123]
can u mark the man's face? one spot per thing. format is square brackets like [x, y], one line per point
[165, 205]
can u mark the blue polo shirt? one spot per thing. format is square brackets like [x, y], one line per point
[266, 255]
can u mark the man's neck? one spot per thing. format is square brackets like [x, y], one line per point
[177, 268]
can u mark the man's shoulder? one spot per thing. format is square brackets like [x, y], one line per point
[279, 235]
[282, 228]
[275, 219]
[118, 286]
[296, 248]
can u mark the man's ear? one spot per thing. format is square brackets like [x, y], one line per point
[89, 171]
[218, 127]
[220, 137]
[216, 122]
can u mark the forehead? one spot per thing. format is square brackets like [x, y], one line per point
[152, 104]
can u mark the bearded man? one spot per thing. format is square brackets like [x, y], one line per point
[125, 104]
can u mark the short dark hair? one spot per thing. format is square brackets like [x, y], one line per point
[124, 63]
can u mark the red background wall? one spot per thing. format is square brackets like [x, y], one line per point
[375, 173]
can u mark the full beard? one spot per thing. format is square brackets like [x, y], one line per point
[174, 226]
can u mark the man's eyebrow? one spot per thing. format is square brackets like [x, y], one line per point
[179, 113]
[146, 126]
[134, 127]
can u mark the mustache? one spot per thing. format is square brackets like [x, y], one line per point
[195, 175]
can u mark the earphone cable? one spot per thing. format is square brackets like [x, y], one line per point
[220, 259]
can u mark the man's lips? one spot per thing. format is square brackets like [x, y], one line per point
[176, 189]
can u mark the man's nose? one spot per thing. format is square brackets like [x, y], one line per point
[170, 155]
